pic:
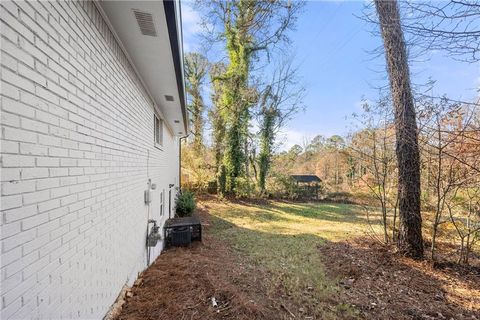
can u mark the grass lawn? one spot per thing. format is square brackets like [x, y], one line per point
[284, 238]
[282, 260]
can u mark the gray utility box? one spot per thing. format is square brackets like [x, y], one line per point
[154, 235]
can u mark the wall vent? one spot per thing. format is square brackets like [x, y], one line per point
[168, 97]
[145, 22]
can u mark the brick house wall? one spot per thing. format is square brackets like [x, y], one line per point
[77, 143]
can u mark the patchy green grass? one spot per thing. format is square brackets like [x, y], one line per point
[283, 238]
[333, 222]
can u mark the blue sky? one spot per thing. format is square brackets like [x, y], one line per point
[333, 50]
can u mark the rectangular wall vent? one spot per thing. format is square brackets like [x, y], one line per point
[145, 22]
[168, 97]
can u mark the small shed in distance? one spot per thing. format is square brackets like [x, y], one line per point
[308, 185]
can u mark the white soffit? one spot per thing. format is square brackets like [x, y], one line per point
[141, 26]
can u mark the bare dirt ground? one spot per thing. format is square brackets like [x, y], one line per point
[384, 285]
[372, 280]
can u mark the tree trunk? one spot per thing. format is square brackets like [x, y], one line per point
[410, 240]
[438, 187]
[247, 167]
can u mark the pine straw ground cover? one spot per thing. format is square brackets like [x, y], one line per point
[280, 260]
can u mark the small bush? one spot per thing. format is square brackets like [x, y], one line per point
[283, 186]
[222, 180]
[244, 188]
[339, 196]
[185, 204]
[212, 187]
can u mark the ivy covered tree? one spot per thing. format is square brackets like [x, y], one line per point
[267, 138]
[196, 68]
[282, 97]
[216, 115]
[410, 239]
[246, 28]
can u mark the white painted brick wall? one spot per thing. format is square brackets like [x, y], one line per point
[77, 152]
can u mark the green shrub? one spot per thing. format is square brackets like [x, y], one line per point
[244, 188]
[222, 180]
[283, 186]
[212, 187]
[339, 196]
[185, 203]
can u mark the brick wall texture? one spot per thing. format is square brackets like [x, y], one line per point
[77, 150]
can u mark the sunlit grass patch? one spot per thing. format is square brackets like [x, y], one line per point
[283, 238]
[334, 222]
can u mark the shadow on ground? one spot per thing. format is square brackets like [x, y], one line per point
[234, 265]
[322, 211]
[268, 275]
[384, 285]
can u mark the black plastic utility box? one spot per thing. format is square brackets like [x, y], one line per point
[182, 231]
[181, 236]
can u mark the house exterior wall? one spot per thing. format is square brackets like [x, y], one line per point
[77, 143]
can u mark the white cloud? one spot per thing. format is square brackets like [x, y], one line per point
[191, 19]
[192, 26]
[287, 138]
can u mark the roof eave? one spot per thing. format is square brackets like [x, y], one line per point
[174, 22]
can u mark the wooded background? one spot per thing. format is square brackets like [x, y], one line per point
[408, 154]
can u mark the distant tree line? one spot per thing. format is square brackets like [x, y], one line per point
[247, 88]
[410, 152]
